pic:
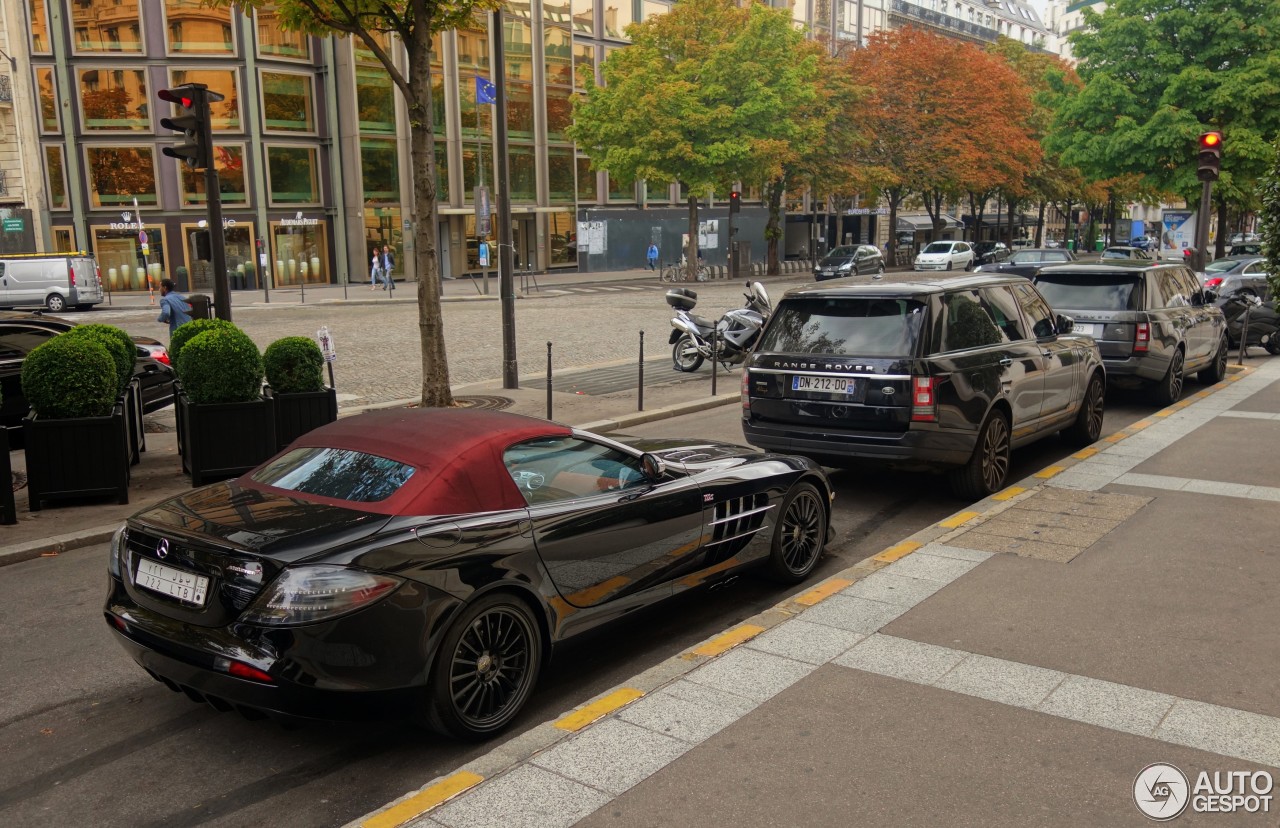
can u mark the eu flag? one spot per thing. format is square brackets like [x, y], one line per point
[486, 92]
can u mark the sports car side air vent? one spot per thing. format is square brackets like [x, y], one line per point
[736, 521]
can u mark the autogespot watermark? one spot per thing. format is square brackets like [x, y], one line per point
[1162, 792]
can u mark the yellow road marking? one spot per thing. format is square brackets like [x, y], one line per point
[1046, 473]
[424, 800]
[728, 640]
[598, 709]
[1085, 453]
[897, 551]
[1140, 424]
[823, 591]
[958, 520]
[1115, 438]
[1167, 412]
[1009, 493]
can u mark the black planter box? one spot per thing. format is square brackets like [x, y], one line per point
[132, 402]
[8, 509]
[296, 414]
[77, 458]
[222, 440]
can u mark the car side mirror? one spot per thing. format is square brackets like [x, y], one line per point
[652, 467]
[1208, 297]
[1065, 324]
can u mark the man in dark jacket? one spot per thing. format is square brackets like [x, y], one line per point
[388, 264]
[174, 308]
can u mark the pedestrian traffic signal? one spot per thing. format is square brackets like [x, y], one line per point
[735, 202]
[194, 99]
[1210, 161]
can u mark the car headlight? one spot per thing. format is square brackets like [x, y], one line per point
[116, 554]
[306, 594]
[846, 266]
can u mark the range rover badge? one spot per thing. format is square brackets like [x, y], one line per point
[888, 390]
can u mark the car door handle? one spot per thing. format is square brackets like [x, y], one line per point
[1046, 353]
[1007, 362]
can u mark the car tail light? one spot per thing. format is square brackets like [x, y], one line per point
[97, 274]
[924, 402]
[72, 281]
[1213, 283]
[746, 391]
[160, 354]
[247, 671]
[1142, 339]
[306, 594]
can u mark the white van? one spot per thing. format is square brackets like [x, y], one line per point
[56, 282]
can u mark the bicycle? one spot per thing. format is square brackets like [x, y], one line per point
[680, 273]
[671, 272]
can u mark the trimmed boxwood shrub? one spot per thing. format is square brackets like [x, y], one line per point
[118, 344]
[70, 377]
[294, 365]
[190, 330]
[220, 366]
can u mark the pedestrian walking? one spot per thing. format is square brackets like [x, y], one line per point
[388, 266]
[174, 307]
[375, 269]
[652, 256]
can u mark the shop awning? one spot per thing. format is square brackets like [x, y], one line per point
[989, 220]
[920, 222]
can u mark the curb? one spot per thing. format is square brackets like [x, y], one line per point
[56, 545]
[524, 746]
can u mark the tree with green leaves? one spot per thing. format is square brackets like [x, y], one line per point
[414, 23]
[707, 95]
[1156, 74]
[1269, 218]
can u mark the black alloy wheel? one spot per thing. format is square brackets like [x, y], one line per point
[1088, 425]
[685, 355]
[486, 668]
[988, 467]
[1217, 369]
[799, 535]
[1169, 391]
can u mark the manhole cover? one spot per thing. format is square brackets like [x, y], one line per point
[19, 480]
[489, 403]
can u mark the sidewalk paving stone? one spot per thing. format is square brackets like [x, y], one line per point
[805, 641]
[691, 716]
[749, 673]
[525, 797]
[612, 755]
[1107, 704]
[853, 614]
[902, 658]
[999, 680]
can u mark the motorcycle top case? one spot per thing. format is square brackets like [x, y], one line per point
[682, 299]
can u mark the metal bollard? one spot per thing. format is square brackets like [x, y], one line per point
[640, 391]
[548, 380]
[1244, 335]
[714, 361]
[303, 285]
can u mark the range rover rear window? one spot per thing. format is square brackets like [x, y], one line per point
[846, 326]
[1091, 291]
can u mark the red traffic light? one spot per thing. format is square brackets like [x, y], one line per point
[735, 201]
[1211, 139]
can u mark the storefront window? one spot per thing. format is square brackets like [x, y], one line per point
[379, 170]
[376, 101]
[524, 174]
[382, 228]
[584, 64]
[229, 162]
[242, 265]
[57, 176]
[64, 240]
[560, 174]
[292, 175]
[39, 27]
[118, 175]
[301, 251]
[195, 28]
[584, 17]
[226, 113]
[617, 16]
[106, 26]
[121, 260]
[562, 243]
[588, 193]
[115, 100]
[621, 192]
[275, 42]
[287, 102]
[48, 100]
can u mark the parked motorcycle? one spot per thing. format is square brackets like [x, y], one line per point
[735, 333]
[1264, 323]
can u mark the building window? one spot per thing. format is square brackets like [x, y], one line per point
[473, 62]
[442, 173]
[275, 42]
[562, 241]
[121, 261]
[379, 170]
[225, 113]
[238, 247]
[588, 191]
[519, 53]
[106, 26]
[584, 17]
[301, 251]
[560, 166]
[621, 192]
[195, 28]
[617, 16]
[118, 175]
[114, 100]
[39, 27]
[559, 55]
[649, 8]
[523, 171]
[584, 64]
[383, 228]
[229, 162]
[559, 112]
[64, 240]
[47, 91]
[56, 169]
[376, 101]
[287, 102]
[365, 55]
[293, 175]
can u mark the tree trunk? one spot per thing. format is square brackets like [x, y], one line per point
[773, 230]
[999, 212]
[839, 205]
[1040, 223]
[933, 206]
[435, 364]
[1066, 226]
[894, 197]
[691, 249]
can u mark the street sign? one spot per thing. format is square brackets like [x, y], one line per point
[142, 236]
[14, 225]
[484, 254]
[146, 251]
[326, 344]
[482, 211]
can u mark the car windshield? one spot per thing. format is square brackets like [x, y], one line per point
[1115, 254]
[1223, 266]
[1030, 256]
[338, 473]
[1090, 291]
[938, 247]
[848, 326]
[843, 252]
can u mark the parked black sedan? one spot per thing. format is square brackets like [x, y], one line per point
[990, 252]
[1026, 262]
[432, 559]
[21, 332]
[851, 260]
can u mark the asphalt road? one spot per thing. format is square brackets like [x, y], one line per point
[88, 738]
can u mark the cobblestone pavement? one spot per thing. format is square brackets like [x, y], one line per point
[378, 344]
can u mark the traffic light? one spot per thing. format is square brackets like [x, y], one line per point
[1210, 156]
[735, 202]
[194, 98]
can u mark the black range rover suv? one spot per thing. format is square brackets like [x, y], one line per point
[943, 374]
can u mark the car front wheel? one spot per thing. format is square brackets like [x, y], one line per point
[799, 536]
[987, 469]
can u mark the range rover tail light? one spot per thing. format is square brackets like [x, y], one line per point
[746, 391]
[1142, 339]
[924, 400]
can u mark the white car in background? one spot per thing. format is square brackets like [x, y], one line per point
[945, 255]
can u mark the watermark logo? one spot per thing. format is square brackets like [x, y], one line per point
[1161, 791]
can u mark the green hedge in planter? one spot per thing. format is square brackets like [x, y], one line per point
[220, 366]
[189, 331]
[119, 346]
[294, 365]
[70, 377]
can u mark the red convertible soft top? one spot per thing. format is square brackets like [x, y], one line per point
[457, 453]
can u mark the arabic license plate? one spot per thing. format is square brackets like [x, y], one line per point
[187, 587]
[826, 385]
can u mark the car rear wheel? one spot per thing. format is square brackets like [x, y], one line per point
[879, 274]
[1218, 368]
[685, 355]
[486, 668]
[799, 536]
[987, 469]
[55, 303]
[1169, 390]
[1088, 425]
